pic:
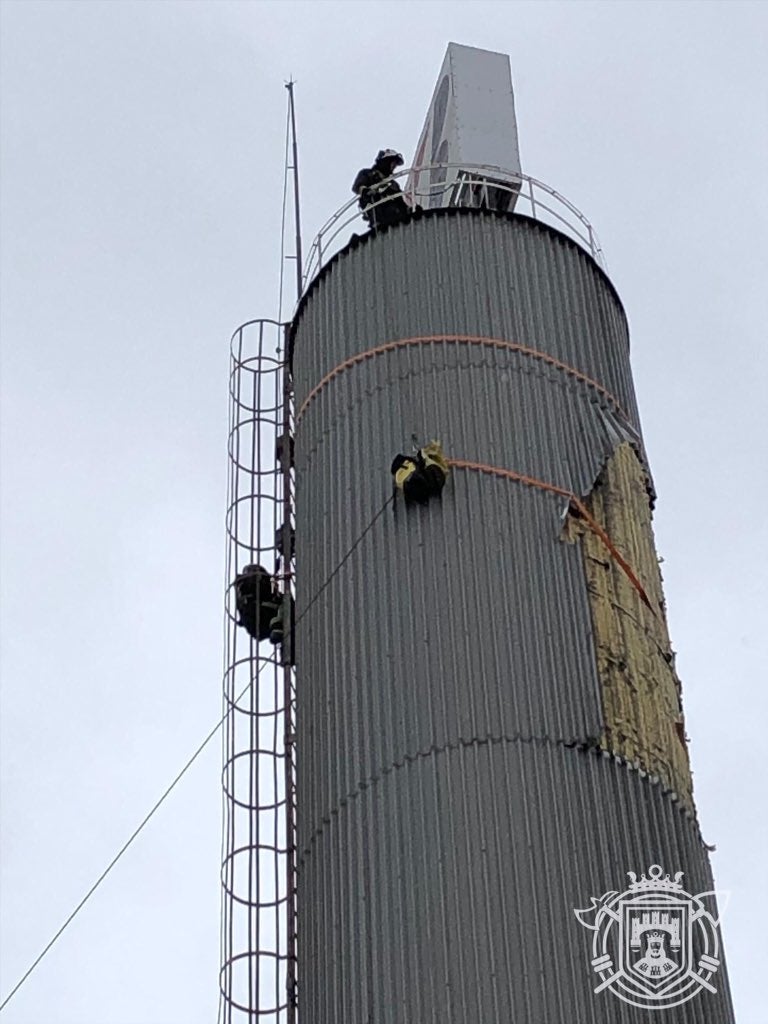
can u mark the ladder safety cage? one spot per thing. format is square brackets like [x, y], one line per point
[258, 929]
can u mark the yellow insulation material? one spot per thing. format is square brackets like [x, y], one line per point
[642, 710]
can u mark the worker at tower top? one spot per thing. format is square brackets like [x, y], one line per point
[376, 185]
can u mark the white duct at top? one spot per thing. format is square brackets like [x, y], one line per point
[470, 121]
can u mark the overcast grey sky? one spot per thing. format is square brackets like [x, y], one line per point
[142, 163]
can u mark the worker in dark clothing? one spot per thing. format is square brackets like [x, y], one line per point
[408, 472]
[435, 467]
[375, 185]
[258, 602]
[421, 476]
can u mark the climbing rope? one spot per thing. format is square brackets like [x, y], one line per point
[461, 464]
[137, 831]
[125, 846]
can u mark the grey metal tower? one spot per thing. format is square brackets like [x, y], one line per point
[483, 732]
[489, 726]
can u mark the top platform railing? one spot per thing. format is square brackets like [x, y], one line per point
[481, 186]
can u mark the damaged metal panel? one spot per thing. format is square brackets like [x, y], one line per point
[453, 806]
[642, 700]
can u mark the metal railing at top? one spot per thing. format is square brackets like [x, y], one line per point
[481, 186]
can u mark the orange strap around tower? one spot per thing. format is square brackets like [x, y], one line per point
[530, 481]
[460, 339]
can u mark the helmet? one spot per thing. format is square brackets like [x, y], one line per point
[390, 154]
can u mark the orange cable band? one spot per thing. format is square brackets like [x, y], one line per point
[467, 339]
[529, 481]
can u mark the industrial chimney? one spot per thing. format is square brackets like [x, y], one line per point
[489, 734]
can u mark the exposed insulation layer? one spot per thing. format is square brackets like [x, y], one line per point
[640, 688]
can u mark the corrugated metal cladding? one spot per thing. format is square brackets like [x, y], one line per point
[452, 812]
[462, 271]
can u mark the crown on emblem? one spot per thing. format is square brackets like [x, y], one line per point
[656, 881]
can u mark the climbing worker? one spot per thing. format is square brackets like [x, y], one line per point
[408, 471]
[421, 476]
[376, 185]
[258, 602]
[435, 467]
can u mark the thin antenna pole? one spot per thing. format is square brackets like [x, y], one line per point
[288, 555]
[296, 203]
